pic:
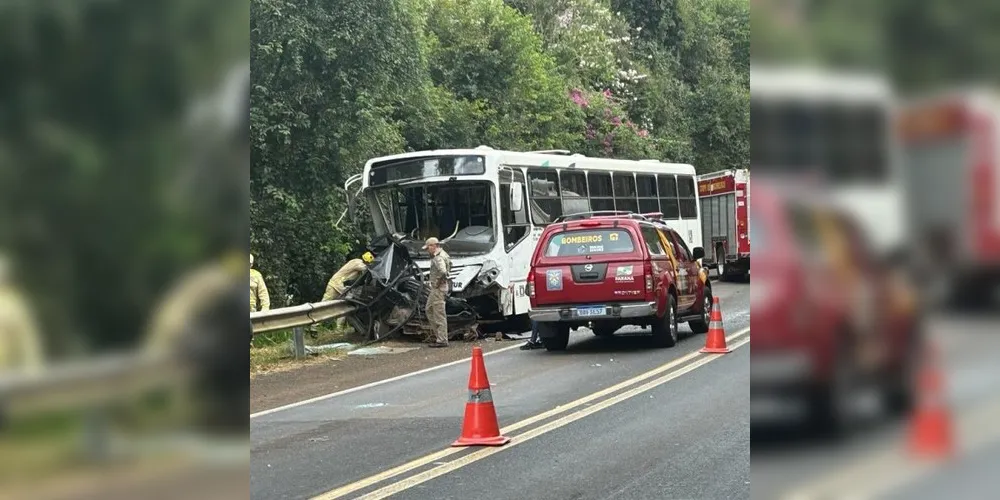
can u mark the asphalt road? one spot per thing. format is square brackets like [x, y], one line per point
[789, 463]
[609, 418]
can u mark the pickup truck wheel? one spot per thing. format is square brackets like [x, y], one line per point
[665, 330]
[554, 337]
[701, 325]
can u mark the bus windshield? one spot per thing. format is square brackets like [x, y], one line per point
[459, 214]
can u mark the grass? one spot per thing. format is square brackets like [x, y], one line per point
[273, 351]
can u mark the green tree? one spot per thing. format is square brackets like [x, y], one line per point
[485, 52]
[327, 77]
[94, 104]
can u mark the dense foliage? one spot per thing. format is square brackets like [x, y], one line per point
[94, 100]
[336, 83]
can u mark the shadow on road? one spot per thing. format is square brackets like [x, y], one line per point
[625, 341]
[778, 438]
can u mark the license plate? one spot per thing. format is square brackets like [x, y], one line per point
[585, 312]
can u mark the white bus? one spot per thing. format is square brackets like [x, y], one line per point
[836, 127]
[489, 207]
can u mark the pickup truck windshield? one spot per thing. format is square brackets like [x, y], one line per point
[589, 242]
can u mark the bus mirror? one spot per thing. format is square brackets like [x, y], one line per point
[516, 197]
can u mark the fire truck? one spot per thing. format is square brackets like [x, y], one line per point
[725, 197]
[952, 175]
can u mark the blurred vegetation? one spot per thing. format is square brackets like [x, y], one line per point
[921, 44]
[337, 83]
[94, 98]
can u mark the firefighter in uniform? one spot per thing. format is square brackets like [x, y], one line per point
[260, 300]
[349, 272]
[439, 283]
[198, 321]
[20, 347]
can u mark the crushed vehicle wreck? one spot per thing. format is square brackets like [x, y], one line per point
[392, 297]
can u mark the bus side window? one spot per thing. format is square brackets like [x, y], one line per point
[545, 199]
[515, 224]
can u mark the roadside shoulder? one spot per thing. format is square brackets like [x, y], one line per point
[272, 390]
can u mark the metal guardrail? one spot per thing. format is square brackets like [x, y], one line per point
[299, 316]
[86, 382]
[296, 317]
[94, 381]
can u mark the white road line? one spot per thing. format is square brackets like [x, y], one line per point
[388, 380]
[476, 456]
[585, 402]
[375, 384]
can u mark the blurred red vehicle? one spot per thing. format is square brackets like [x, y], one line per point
[830, 321]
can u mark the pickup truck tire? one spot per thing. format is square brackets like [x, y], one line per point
[554, 337]
[701, 325]
[666, 330]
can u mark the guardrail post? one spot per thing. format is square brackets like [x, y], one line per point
[299, 339]
[96, 434]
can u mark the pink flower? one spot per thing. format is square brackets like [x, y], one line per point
[643, 133]
[607, 93]
[577, 96]
[617, 121]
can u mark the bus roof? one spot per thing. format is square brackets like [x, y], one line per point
[815, 84]
[533, 159]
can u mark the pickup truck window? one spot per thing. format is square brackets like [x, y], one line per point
[589, 242]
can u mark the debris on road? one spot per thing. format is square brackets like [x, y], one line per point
[372, 351]
[339, 346]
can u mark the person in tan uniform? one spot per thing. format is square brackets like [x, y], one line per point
[440, 284]
[349, 272]
[20, 346]
[259, 298]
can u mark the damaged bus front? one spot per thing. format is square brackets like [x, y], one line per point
[453, 196]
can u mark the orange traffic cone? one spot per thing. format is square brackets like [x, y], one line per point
[931, 425]
[715, 342]
[480, 427]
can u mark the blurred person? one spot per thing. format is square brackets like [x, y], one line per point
[199, 321]
[259, 298]
[20, 346]
[439, 284]
[534, 342]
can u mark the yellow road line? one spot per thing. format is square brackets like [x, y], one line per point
[441, 470]
[434, 457]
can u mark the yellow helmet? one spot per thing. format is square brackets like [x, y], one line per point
[368, 257]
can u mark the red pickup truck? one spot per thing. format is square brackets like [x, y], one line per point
[830, 321]
[615, 270]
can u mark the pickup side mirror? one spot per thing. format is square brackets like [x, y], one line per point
[698, 253]
[516, 197]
